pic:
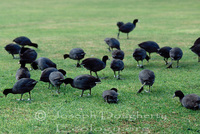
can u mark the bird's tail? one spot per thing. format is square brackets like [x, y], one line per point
[119, 24]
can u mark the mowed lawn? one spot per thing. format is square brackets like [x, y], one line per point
[59, 26]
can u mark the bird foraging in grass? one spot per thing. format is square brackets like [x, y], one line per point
[22, 86]
[139, 54]
[110, 96]
[23, 41]
[175, 54]
[146, 77]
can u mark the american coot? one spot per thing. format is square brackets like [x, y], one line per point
[56, 78]
[140, 54]
[22, 72]
[117, 65]
[118, 54]
[22, 86]
[149, 46]
[196, 48]
[164, 52]
[190, 101]
[75, 54]
[110, 96]
[42, 63]
[46, 72]
[23, 41]
[175, 54]
[112, 43]
[126, 28]
[146, 77]
[83, 82]
[12, 49]
[95, 64]
[27, 55]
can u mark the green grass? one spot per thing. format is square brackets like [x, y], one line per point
[59, 26]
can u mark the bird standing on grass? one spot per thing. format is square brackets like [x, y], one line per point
[22, 72]
[110, 96]
[95, 64]
[164, 52]
[140, 54]
[196, 48]
[75, 54]
[22, 86]
[23, 41]
[42, 63]
[175, 54]
[112, 43]
[126, 28]
[146, 77]
[83, 82]
[13, 49]
[117, 65]
[190, 101]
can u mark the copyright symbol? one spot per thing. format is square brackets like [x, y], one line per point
[40, 115]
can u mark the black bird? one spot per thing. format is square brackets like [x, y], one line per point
[190, 101]
[75, 54]
[23, 41]
[140, 54]
[164, 52]
[42, 63]
[22, 72]
[126, 28]
[112, 43]
[27, 55]
[95, 64]
[149, 46]
[12, 49]
[118, 54]
[56, 78]
[110, 96]
[196, 48]
[21, 86]
[117, 65]
[46, 72]
[83, 82]
[175, 54]
[146, 77]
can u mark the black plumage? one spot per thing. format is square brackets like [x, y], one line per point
[23, 41]
[196, 48]
[117, 65]
[112, 43]
[175, 54]
[164, 52]
[56, 78]
[118, 54]
[126, 28]
[75, 54]
[140, 54]
[95, 64]
[146, 77]
[22, 86]
[27, 55]
[12, 49]
[22, 72]
[83, 82]
[46, 72]
[149, 46]
[190, 101]
[42, 63]
[110, 96]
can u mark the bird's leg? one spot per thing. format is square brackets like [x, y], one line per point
[149, 89]
[118, 77]
[138, 64]
[149, 55]
[97, 75]
[166, 61]
[49, 85]
[118, 35]
[199, 59]
[109, 49]
[90, 91]
[78, 65]
[141, 66]
[127, 36]
[29, 95]
[170, 65]
[82, 93]
[21, 96]
[114, 74]
[177, 63]
[13, 56]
